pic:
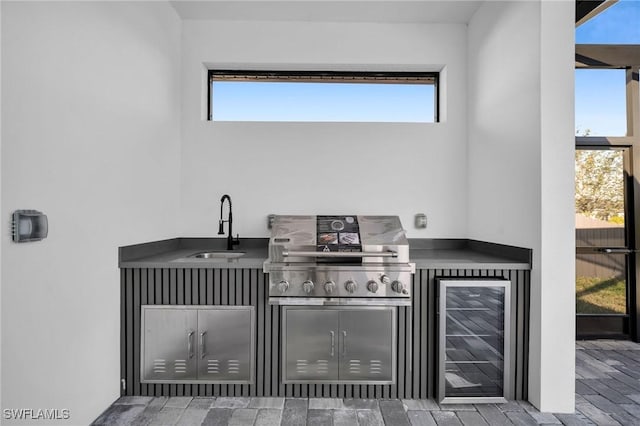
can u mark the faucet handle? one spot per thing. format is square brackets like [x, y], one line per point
[236, 241]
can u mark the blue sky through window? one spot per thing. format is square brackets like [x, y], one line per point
[300, 101]
[600, 94]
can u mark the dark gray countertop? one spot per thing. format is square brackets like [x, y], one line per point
[425, 253]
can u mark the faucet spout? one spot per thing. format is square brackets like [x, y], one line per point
[230, 240]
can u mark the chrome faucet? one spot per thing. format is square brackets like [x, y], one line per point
[230, 240]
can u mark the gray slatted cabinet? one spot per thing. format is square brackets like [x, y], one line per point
[473, 344]
[197, 344]
[339, 345]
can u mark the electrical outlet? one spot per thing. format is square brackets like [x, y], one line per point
[270, 219]
[421, 221]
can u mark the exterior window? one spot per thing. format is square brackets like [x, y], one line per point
[323, 96]
[601, 102]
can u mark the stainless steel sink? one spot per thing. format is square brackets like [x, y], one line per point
[222, 254]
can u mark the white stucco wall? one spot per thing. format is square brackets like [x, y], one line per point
[520, 169]
[90, 107]
[303, 168]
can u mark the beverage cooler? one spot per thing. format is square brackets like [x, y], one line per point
[473, 340]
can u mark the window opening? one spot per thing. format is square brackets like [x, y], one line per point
[323, 96]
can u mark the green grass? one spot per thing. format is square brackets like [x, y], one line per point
[596, 295]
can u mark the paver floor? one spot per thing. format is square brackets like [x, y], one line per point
[607, 393]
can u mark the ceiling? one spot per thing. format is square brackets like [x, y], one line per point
[389, 11]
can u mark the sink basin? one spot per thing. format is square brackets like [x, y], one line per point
[222, 254]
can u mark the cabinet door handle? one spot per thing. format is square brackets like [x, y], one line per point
[333, 342]
[203, 351]
[344, 343]
[190, 343]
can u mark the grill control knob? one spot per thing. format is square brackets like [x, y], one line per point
[283, 286]
[384, 279]
[307, 286]
[351, 286]
[372, 286]
[329, 286]
[397, 286]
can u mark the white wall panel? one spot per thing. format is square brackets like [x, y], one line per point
[302, 168]
[90, 107]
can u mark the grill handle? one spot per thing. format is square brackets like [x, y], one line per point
[287, 253]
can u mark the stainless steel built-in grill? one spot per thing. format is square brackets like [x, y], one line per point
[339, 260]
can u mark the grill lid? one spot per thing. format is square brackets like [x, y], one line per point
[365, 239]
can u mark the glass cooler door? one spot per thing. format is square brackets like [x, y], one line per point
[473, 340]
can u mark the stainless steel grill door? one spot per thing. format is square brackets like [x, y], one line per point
[169, 344]
[366, 344]
[311, 345]
[224, 344]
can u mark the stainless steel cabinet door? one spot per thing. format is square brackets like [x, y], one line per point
[311, 345]
[225, 350]
[169, 344]
[366, 345]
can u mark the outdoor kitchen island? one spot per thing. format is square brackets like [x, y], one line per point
[162, 273]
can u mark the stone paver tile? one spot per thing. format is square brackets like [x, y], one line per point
[119, 415]
[611, 394]
[277, 403]
[393, 412]
[521, 418]
[243, 416]
[620, 386]
[596, 415]
[178, 402]
[604, 404]
[201, 402]
[493, 415]
[157, 403]
[231, 402]
[580, 399]
[322, 417]
[325, 404]
[345, 418]
[217, 417]
[459, 407]
[573, 419]
[583, 389]
[544, 418]
[420, 418]
[360, 404]
[133, 400]
[370, 418]
[166, 416]
[150, 411]
[192, 416]
[632, 409]
[446, 418]
[634, 397]
[625, 419]
[527, 405]
[510, 406]
[268, 417]
[630, 382]
[420, 404]
[471, 418]
[294, 412]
